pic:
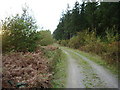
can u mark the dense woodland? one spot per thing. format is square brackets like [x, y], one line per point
[91, 16]
[91, 27]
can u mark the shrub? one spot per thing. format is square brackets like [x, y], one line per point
[82, 39]
[45, 38]
[74, 42]
[88, 41]
[58, 64]
[112, 52]
[19, 33]
[97, 47]
[59, 41]
[112, 35]
[64, 42]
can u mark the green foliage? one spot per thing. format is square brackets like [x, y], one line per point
[113, 67]
[83, 38]
[91, 27]
[19, 33]
[60, 74]
[112, 53]
[74, 42]
[88, 16]
[60, 67]
[46, 38]
[64, 42]
[88, 41]
[112, 35]
[91, 14]
[58, 64]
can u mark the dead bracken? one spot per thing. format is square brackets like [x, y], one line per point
[25, 70]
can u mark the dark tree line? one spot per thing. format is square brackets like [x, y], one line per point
[88, 16]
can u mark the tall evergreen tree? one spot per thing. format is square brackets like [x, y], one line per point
[67, 23]
[75, 19]
[83, 22]
[90, 14]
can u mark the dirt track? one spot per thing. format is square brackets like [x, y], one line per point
[87, 74]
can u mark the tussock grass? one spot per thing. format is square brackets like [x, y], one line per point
[58, 66]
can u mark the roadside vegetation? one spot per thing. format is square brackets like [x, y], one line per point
[25, 70]
[88, 42]
[97, 59]
[91, 79]
[89, 27]
[58, 64]
[29, 58]
[91, 68]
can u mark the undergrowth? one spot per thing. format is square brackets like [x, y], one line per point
[103, 49]
[112, 67]
[106, 47]
[99, 60]
[58, 66]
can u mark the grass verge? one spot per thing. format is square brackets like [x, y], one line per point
[58, 66]
[91, 79]
[97, 59]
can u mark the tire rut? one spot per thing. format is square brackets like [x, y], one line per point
[90, 75]
[74, 76]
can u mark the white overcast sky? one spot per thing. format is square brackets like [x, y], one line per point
[46, 12]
